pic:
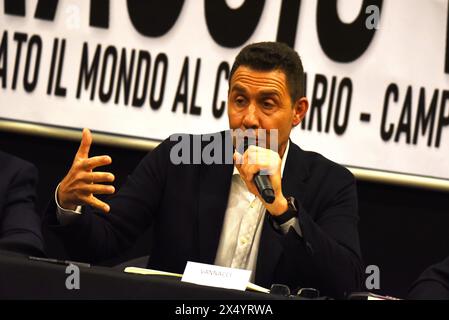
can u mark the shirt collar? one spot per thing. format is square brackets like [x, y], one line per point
[284, 158]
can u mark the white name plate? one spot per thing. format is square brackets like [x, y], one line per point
[215, 276]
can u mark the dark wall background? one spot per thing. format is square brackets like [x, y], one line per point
[403, 230]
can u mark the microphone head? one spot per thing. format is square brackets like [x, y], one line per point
[262, 182]
[268, 195]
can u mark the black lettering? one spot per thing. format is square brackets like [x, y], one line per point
[60, 91]
[183, 88]
[341, 128]
[46, 9]
[317, 100]
[232, 27]
[144, 58]
[288, 22]
[124, 77]
[110, 54]
[4, 59]
[218, 111]
[161, 59]
[303, 122]
[99, 13]
[59, 62]
[442, 119]
[20, 38]
[423, 118]
[385, 133]
[446, 65]
[196, 110]
[152, 19]
[15, 7]
[35, 44]
[331, 105]
[51, 73]
[340, 41]
[405, 120]
[88, 73]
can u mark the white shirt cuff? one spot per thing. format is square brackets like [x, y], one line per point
[293, 223]
[66, 216]
[285, 227]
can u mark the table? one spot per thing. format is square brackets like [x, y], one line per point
[22, 278]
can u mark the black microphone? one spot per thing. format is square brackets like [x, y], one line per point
[262, 182]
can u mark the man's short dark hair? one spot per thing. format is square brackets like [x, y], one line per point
[268, 56]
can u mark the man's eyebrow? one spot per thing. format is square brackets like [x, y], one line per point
[264, 93]
[269, 93]
[238, 88]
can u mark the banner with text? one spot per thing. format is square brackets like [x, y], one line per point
[377, 71]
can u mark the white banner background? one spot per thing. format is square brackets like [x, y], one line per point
[408, 49]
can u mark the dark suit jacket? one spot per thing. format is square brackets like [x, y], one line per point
[186, 205]
[20, 225]
[433, 283]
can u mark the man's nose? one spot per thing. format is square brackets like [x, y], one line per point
[251, 119]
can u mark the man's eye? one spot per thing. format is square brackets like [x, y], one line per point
[240, 101]
[268, 104]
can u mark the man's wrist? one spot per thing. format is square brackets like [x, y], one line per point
[279, 207]
[287, 215]
[61, 204]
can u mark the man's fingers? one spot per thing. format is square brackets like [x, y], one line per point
[250, 170]
[94, 202]
[86, 141]
[97, 177]
[92, 163]
[99, 189]
[267, 161]
[238, 158]
[253, 189]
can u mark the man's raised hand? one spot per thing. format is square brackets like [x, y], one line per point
[81, 183]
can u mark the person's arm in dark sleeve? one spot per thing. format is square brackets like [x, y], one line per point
[20, 227]
[325, 252]
[432, 284]
[95, 236]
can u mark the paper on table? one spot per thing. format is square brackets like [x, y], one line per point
[135, 270]
[255, 287]
[151, 272]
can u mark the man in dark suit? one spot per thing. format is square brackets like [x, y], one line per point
[20, 225]
[433, 283]
[211, 211]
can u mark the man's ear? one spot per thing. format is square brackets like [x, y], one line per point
[300, 109]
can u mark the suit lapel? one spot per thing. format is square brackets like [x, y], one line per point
[270, 247]
[295, 174]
